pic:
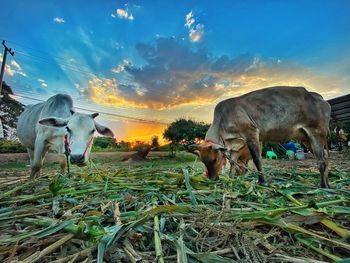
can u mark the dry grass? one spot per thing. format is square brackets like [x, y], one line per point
[160, 212]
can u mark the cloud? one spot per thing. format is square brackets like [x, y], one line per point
[189, 20]
[59, 20]
[178, 75]
[9, 70]
[195, 31]
[116, 45]
[124, 14]
[13, 68]
[196, 34]
[118, 69]
[42, 83]
[121, 67]
[108, 91]
[16, 65]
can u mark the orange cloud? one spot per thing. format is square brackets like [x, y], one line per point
[175, 75]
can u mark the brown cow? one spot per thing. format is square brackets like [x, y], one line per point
[272, 114]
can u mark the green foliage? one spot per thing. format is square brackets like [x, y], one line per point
[333, 136]
[107, 144]
[104, 142]
[123, 146]
[172, 147]
[139, 146]
[9, 146]
[185, 131]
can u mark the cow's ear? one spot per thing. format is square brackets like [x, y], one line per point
[219, 147]
[54, 122]
[94, 115]
[103, 130]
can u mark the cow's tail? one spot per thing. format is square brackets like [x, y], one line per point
[328, 139]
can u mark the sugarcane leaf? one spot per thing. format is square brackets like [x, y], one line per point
[106, 241]
[189, 187]
[209, 258]
[55, 228]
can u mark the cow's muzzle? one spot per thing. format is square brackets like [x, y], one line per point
[78, 159]
[212, 175]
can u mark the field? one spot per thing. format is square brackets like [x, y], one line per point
[165, 210]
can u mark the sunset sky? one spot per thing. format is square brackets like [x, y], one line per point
[160, 60]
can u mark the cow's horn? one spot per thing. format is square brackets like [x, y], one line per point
[94, 115]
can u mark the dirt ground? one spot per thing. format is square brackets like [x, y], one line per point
[6, 158]
[16, 166]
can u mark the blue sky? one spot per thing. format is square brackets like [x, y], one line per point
[162, 60]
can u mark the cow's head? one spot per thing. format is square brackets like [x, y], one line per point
[80, 129]
[212, 155]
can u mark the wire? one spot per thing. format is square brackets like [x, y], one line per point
[103, 113]
[96, 107]
[45, 60]
[51, 60]
[40, 51]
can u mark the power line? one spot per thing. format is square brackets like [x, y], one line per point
[72, 68]
[40, 51]
[103, 113]
[45, 60]
[77, 67]
[96, 107]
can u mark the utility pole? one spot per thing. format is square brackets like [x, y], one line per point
[12, 53]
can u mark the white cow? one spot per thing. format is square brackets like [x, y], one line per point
[54, 125]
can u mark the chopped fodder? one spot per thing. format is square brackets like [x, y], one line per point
[153, 214]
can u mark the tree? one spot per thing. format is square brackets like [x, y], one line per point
[124, 146]
[10, 109]
[185, 131]
[155, 143]
[104, 142]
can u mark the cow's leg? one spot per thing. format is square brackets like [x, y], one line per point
[63, 163]
[31, 156]
[317, 143]
[39, 153]
[232, 161]
[254, 148]
[232, 173]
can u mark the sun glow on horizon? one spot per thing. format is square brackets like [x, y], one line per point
[142, 132]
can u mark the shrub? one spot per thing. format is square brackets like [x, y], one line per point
[9, 146]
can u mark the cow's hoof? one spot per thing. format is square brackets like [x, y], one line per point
[263, 183]
[262, 180]
[323, 185]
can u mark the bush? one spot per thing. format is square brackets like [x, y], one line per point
[104, 142]
[9, 146]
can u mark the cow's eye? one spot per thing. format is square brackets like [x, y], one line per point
[92, 131]
[68, 129]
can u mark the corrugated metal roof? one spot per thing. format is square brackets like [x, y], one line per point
[340, 108]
